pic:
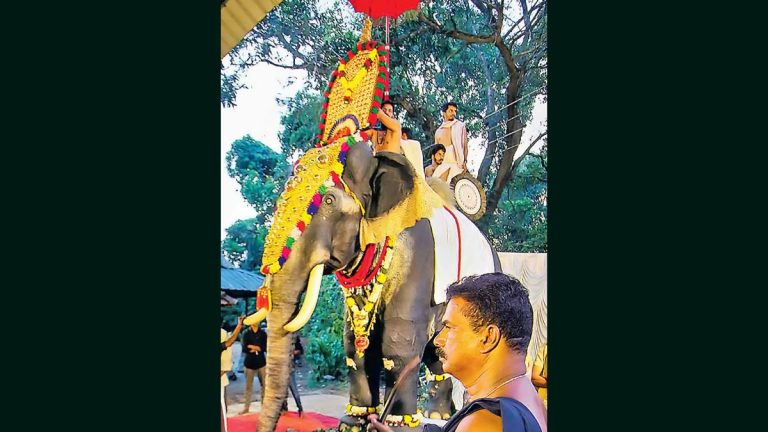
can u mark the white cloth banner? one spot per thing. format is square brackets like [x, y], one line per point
[531, 270]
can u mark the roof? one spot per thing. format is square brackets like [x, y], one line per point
[227, 300]
[238, 17]
[238, 282]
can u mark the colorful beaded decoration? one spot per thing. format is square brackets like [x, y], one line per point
[318, 170]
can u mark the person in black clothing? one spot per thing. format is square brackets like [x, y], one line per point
[487, 327]
[298, 351]
[255, 347]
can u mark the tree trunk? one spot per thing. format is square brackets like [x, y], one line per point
[506, 171]
[493, 128]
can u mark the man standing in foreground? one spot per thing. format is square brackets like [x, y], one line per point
[255, 344]
[487, 328]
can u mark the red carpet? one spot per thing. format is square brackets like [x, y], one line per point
[309, 423]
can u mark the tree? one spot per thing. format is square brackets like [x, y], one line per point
[520, 221]
[523, 51]
[261, 173]
[490, 56]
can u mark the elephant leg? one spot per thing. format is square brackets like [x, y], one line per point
[364, 375]
[402, 341]
[439, 386]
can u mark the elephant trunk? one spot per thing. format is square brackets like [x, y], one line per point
[279, 349]
[282, 323]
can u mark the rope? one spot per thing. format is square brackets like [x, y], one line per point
[514, 102]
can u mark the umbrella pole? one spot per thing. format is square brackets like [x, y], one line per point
[386, 41]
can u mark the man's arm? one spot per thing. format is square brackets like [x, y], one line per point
[235, 333]
[391, 124]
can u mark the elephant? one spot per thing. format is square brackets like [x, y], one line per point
[405, 317]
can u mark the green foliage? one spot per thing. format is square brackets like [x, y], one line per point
[519, 223]
[325, 333]
[261, 172]
[300, 122]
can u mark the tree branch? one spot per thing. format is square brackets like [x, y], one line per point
[455, 33]
[268, 61]
[528, 150]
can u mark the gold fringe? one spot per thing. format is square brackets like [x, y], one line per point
[417, 205]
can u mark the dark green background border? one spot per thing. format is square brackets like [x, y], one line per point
[112, 164]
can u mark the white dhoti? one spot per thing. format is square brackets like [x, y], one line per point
[449, 164]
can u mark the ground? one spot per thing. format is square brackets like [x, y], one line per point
[329, 398]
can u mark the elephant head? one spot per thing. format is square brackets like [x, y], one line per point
[328, 241]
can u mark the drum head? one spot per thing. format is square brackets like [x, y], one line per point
[470, 195]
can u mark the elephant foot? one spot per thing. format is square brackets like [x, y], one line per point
[437, 415]
[350, 423]
[407, 428]
[439, 404]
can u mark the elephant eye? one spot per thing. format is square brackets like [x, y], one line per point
[329, 199]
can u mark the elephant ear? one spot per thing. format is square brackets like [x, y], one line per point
[358, 171]
[392, 181]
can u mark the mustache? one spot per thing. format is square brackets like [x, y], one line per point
[440, 353]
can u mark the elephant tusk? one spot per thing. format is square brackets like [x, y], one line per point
[310, 300]
[255, 318]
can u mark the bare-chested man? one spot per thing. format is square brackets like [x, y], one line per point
[387, 138]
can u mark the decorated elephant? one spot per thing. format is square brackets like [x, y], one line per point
[383, 232]
[392, 241]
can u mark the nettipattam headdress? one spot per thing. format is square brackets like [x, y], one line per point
[352, 100]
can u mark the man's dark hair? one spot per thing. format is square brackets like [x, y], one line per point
[447, 104]
[437, 148]
[497, 299]
[406, 131]
[388, 102]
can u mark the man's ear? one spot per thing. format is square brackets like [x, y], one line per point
[491, 338]
[391, 183]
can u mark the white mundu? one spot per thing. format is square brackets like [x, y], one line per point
[412, 151]
[453, 135]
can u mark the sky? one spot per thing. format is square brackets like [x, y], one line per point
[258, 114]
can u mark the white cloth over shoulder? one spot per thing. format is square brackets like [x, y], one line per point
[476, 252]
[412, 152]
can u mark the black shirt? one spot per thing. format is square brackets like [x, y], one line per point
[252, 360]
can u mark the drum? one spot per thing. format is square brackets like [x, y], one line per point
[470, 195]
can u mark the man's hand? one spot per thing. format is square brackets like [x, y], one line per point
[375, 425]
[254, 348]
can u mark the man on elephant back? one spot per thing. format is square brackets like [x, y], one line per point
[387, 138]
[488, 322]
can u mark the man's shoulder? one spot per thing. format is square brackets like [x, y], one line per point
[480, 420]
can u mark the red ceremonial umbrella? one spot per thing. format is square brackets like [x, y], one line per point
[384, 8]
